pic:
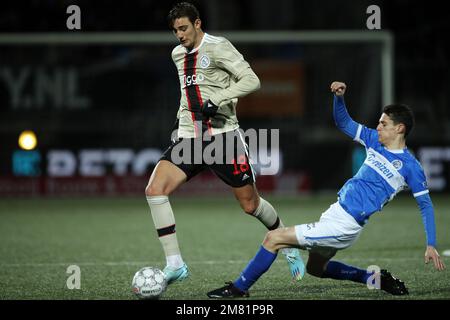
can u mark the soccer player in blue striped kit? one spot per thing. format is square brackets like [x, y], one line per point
[388, 169]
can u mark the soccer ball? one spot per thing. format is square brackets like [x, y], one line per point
[149, 283]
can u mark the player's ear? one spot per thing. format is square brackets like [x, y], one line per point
[401, 128]
[197, 23]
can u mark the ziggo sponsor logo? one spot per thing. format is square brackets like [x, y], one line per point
[192, 80]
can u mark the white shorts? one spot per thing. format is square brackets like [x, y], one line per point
[336, 230]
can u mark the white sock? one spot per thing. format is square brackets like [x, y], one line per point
[267, 215]
[175, 261]
[164, 221]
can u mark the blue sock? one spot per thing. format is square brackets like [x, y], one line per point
[340, 271]
[255, 269]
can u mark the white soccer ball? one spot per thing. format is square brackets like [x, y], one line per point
[149, 283]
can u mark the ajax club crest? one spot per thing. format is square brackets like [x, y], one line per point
[204, 61]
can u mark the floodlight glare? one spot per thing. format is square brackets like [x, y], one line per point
[27, 140]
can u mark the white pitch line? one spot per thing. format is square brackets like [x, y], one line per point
[205, 262]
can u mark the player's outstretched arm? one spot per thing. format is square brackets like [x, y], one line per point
[341, 117]
[427, 211]
[431, 254]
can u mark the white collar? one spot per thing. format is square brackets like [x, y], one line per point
[201, 43]
[395, 150]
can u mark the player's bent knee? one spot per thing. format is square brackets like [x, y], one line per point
[249, 210]
[249, 207]
[272, 240]
[154, 190]
[149, 191]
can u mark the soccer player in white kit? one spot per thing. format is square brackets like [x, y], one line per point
[388, 168]
[213, 75]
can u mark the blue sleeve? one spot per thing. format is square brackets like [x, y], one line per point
[427, 211]
[342, 119]
[365, 136]
[417, 180]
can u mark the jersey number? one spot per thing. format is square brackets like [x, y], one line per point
[241, 165]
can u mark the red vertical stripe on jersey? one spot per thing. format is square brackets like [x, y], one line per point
[186, 74]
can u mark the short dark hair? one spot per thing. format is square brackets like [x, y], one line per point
[401, 113]
[183, 9]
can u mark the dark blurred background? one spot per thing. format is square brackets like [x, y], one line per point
[102, 111]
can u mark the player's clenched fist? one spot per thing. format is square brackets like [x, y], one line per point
[338, 88]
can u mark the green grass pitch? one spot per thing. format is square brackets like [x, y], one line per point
[110, 239]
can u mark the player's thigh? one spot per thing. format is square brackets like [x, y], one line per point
[233, 165]
[165, 178]
[236, 176]
[242, 181]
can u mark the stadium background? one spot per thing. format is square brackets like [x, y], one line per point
[93, 104]
[103, 97]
